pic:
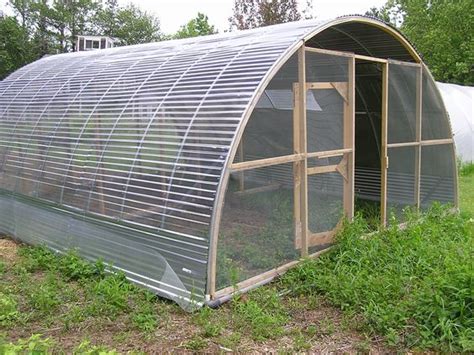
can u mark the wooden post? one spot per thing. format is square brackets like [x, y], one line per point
[383, 154]
[297, 166]
[241, 159]
[419, 102]
[349, 131]
[300, 168]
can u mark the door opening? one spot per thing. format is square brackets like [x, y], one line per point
[368, 139]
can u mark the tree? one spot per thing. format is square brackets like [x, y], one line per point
[14, 52]
[443, 32]
[256, 13]
[129, 25]
[198, 26]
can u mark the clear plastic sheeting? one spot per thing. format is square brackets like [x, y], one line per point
[131, 142]
[257, 226]
[438, 174]
[124, 153]
[459, 101]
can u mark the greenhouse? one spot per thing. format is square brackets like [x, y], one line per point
[207, 166]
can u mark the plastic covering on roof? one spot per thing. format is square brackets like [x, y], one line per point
[119, 152]
[459, 101]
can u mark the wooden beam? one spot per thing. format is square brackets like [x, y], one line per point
[437, 142]
[341, 88]
[419, 107]
[349, 142]
[401, 145]
[303, 150]
[370, 59]
[328, 52]
[321, 238]
[260, 163]
[407, 64]
[241, 159]
[342, 168]
[296, 165]
[383, 153]
[329, 153]
[322, 169]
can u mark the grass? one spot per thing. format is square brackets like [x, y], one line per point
[394, 291]
[413, 286]
[466, 188]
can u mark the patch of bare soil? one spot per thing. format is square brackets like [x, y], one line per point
[8, 249]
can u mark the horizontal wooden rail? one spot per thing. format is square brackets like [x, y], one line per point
[401, 145]
[329, 52]
[260, 163]
[437, 141]
[370, 59]
[329, 153]
[422, 143]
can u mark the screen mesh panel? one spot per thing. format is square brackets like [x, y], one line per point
[402, 96]
[269, 132]
[325, 201]
[437, 181]
[401, 179]
[257, 226]
[435, 121]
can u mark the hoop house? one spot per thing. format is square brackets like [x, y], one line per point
[204, 166]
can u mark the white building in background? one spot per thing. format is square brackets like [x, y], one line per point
[92, 43]
[459, 102]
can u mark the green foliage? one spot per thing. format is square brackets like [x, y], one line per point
[413, 285]
[36, 344]
[14, 46]
[196, 343]
[443, 32]
[262, 314]
[198, 26]
[130, 24]
[46, 296]
[86, 348]
[209, 321]
[70, 266]
[466, 191]
[44, 27]
[8, 309]
[466, 169]
[257, 13]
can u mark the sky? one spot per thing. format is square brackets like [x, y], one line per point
[174, 13]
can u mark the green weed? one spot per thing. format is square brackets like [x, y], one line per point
[262, 314]
[36, 344]
[412, 285]
[86, 348]
[465, 169]
[8, 309]
[196, 344]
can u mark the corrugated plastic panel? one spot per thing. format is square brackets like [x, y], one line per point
[119, 152]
